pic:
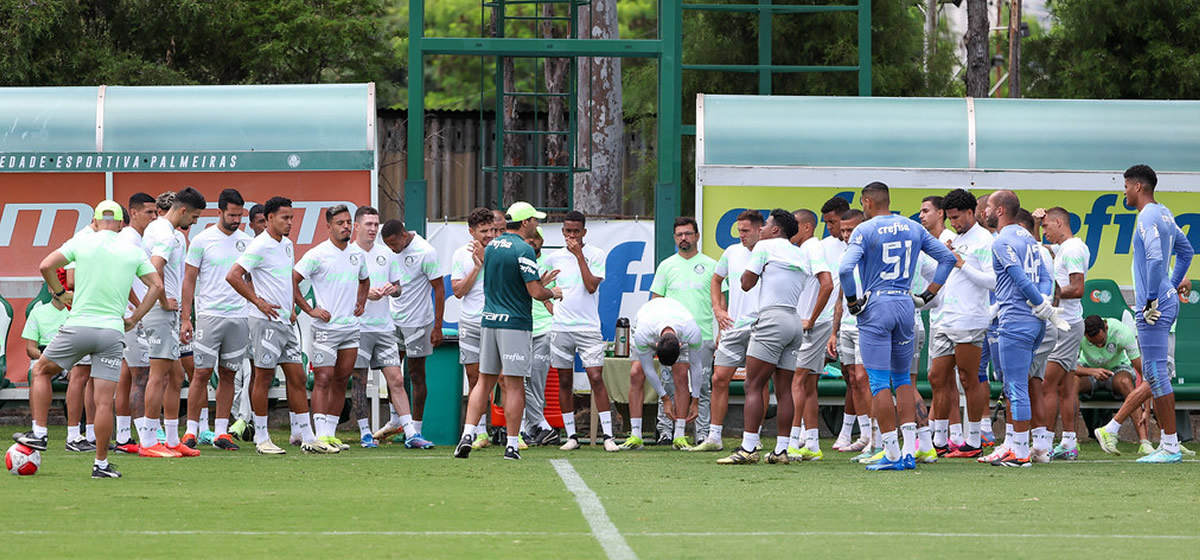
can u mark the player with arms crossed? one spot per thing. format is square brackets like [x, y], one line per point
[886, 247]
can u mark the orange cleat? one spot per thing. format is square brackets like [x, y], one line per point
[189, 440]
[185, 451]
[158, 450]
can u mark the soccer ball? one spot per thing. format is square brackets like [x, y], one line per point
[22, 460]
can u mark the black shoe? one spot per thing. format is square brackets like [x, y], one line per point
[464, 447]
[27, 439]
[248, 433]
[663, 439]
[549, 437]
[226, 443]
[107, 472]
[512, 454]
[81, 445]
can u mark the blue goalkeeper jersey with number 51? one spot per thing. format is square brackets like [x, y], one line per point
[885, 248]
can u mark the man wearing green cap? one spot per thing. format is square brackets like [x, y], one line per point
[97, 324]
[506, 340]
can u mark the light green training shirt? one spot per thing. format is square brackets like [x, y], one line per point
[687, 281]
[105, 270]
[1120, 349]
[43, 323]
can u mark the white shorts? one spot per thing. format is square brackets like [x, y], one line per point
[944, 340]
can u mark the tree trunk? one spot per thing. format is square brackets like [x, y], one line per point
[512, 143]
[600, 190]
[977, 48]
[557, 153]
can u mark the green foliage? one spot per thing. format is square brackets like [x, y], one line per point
[1105, 49]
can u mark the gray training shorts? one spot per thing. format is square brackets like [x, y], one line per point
[1037, 370]
[1066, 347]
[72, 344]
[416, 341]
[506, 352]
[944, 340]
[564, 345]
[541, 357]
[776, 337]
[220, 341]
[273, 343]
[919, 340]
[162, 333]
[137, 352]
[731, 349]
[377, 350]
[469, 335]
[1107, 384]
[814, 348]
[327, 343]
[849, 354]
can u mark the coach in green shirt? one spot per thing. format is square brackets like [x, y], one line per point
[685, 277]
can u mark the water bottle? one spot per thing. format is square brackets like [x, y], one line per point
[621, 348]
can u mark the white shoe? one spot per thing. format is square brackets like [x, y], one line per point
[388, 430]
[1040, 456]
[573, 444]
[997, 453]
[319, 447]
[269, 448]
[610, 445]
[841, 443]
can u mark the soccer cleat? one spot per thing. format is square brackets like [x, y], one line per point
[1061, 453]
[781, 458]
[856, 447]
[610, 444]
[1010, 460]
[631, 443]
[1145, 447]
[512, 454]
[81, 445]
[680, 444]
[368, 441]
[841, 443]
[338, 443]
[189, 440]
[29, 440]
[1161, 456]
[663, 439]
[161, 434]
[964, 451]
[107, 472]
[987, 439]
[225, 441]
[571, 444]
[927, 456]
[810, 455]
[795, 454]
[885, 464]
[521, 445]
[996, 454]
[1108, 442]
[185, 451]
[1186, 451]
[207, 437]
[463, 450]
[269, 448]
[388, 430]
[942, 451]
[418, 442]
[910, 462]
[866, 454]
[238, 429]
[1040, 456]
[128, 448]
[320, 446]
[549, 437]
[740, 457]
[248, 433]
[708, 445]
[328, 441]
[481, 441]
[874, 458]
[158, 450]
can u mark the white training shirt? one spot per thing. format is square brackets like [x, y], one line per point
[783, 271]
[660, 313]
[213, 253]
[382, 269]
[131, 236]
[925, 270]
[743, 305]
[269, 263]
[965, 300]
[1073, 258]
[578, 310]
[833, 248]
[334, 274]
[471, 309]
[160, 240]
[418, 265]
[814, 254]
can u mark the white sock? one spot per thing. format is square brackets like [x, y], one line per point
[1068, 440]
[73, 432]
[635, 427]
[469, 430]
[891, 447]
[878, 441]
[260, 430]
[331, 424]
[680, 428]
[395, 421]
[203, 420]
[750, 441]
[1008, 432]
[123, 431]
[318, 425]
[292, 424]
[89, 432]
[410, 428]
[847, 427]
[909, 432]
[864, 426]
[304, 428]
[514, 442]
[1020, 445]
[985, 424]
[171, 426]
[568, 419]
[1170, 443]
[956, 434]
[1042, 438]
[714, 432]
[1112, 427]
[193, 427]
[39, 431]
[221, 425]
[481, 427]
[364, 427]
[797, 437]
[781, 445]
[606, 423]
[973, 439]
[101, 463]
[924, 439]
[811, 441]
[544, 425]
[941, 431]
[417, 425]
[146, 435]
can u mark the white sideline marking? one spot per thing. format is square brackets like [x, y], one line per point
[593, 511]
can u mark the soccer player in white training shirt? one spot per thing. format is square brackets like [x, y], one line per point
[734, 321]
[135, 368]
[222, 334]
[269, 260]
[665, 329]
[844, 346]
[161, 325]
[817, 326]
[576, 327]
[337, 270]
[243, 427]
[417, 320]
[466, 281]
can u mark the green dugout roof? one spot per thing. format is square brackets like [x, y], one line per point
[332, 125]
[949, 133]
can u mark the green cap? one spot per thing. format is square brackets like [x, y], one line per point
[521, 211]
[109, 206]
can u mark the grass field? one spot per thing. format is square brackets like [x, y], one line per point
[660, 503]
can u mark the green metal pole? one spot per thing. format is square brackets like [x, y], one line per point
[415, 184]
[670, 87]
[764, 47]
[864, 48]
[498, 80]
